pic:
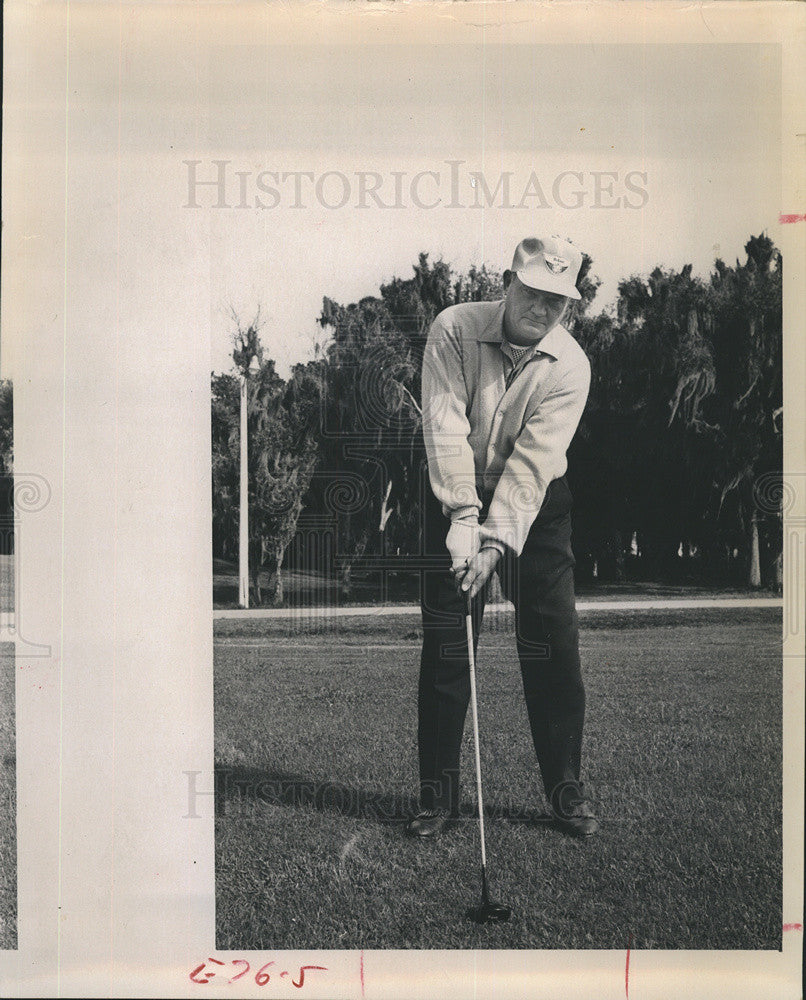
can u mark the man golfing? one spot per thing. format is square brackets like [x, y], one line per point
[503, 388]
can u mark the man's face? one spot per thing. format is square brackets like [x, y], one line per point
[530, 313]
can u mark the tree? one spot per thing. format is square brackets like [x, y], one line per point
[6, 467]
[634, 456]
[684, 417]
[587, 285]
[747, 406]
[682, 422]
[224, 430]
[479, 285]
[281, 421]
[6, 426]
[285, 449]
[370, 418]
[667, 374]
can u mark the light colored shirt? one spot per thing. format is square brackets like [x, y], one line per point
[482, 436]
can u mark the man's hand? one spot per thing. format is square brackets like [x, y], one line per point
[479, 570]
[462, 543]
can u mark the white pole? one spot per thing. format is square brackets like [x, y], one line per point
[243, 540]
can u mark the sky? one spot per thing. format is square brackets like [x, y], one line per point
[691, 125]
[695, 128]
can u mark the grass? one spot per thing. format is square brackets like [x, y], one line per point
[316, 758]
[8, 802]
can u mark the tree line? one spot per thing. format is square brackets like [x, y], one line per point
[675, 468]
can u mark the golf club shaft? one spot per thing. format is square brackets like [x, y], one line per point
[474, 710]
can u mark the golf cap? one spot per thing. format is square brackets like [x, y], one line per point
[552, 265]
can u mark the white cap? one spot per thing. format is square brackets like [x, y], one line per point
[552, 265]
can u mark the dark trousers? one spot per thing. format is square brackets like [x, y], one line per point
[540, 583]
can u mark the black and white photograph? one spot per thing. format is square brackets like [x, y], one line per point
[403, 528]
[502, 324]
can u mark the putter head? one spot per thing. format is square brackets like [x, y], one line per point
[489, 913]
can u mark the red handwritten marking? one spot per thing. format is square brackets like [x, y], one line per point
[302, 974]
[239, 961]
[208, 975]
[362, 972]
[195, 973]
[792, 218]
[793, 927]
[627, 969]
[262, 977]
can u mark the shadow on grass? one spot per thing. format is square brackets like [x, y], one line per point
[238, 788]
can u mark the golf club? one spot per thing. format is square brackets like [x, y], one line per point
[486, 912]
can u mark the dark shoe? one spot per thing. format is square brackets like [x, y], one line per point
[428, 824]
[573, 812]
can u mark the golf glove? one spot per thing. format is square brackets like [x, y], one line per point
[463, 541]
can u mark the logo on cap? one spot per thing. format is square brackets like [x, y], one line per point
[556, 264]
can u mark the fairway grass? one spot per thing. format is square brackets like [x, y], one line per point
[316, 771]
[8, 802]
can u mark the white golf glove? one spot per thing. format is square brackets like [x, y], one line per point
[463, 542]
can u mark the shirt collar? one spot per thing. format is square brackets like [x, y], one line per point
[518, 354]
[493, 333]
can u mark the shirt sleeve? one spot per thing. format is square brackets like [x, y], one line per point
[446, 428]
[538, 457]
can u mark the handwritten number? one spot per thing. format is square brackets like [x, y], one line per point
[262, 977]
[302, 973]
[240, 961]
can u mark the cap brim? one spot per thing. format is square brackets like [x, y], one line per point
[558, 284]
